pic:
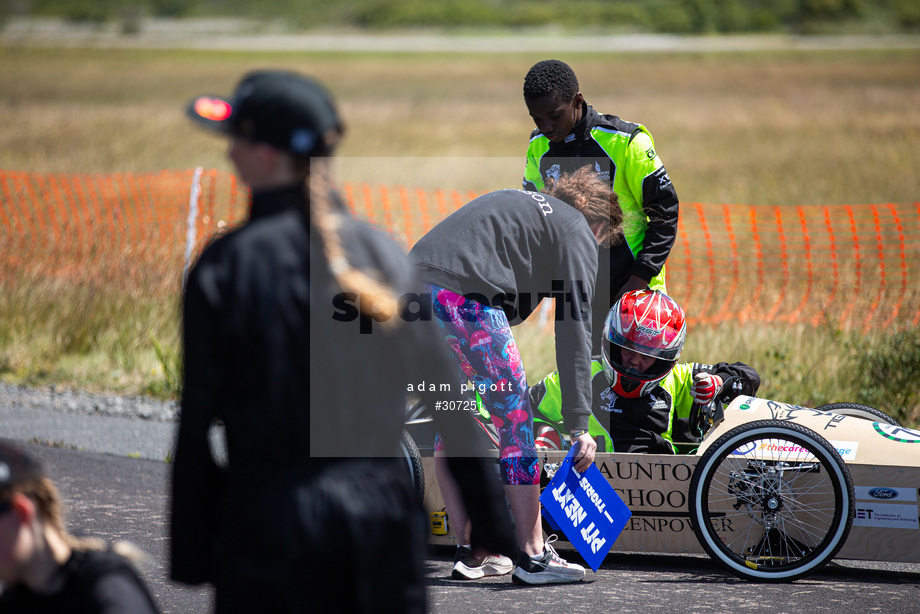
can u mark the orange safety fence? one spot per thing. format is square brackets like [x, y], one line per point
[848, 265]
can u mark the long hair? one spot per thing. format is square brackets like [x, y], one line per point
[44, 494]
[594, 198]
[375, 297]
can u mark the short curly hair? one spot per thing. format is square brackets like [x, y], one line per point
[550, 77]
[584, 190]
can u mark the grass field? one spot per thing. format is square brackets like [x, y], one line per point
[775, 128]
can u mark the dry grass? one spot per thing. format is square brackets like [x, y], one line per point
[777, 128]
[755, 128]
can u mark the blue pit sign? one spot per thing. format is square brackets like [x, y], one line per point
[586, 509]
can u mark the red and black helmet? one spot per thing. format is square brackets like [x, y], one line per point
[648, 322]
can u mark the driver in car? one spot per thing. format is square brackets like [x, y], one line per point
[642, 399]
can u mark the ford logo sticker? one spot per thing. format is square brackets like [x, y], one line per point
[883, 493]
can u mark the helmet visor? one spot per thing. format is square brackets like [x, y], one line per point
[659, 367]
[669, 354]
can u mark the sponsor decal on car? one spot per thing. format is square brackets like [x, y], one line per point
[846, 449]
[886, 493]
[897, 433]
[886, 516]
[747, 404]
[781, 449]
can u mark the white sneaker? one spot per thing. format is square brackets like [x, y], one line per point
[468, 567]
[547, 569]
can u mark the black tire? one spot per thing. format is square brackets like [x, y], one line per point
[771, 516]
[416, 410]
[413, 463]
[857, 410]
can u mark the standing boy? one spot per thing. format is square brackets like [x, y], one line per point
[569, 135]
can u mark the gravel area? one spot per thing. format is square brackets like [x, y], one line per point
[134, 427]
[79, 402]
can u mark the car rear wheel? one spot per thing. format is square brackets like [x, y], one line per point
[858, 410]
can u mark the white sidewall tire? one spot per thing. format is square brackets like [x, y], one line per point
[830, 461]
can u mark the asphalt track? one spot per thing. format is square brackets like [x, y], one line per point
[115, 496]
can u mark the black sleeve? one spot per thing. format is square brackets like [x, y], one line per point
[578, 269]
[535, 394]
[196, 478]
[643, 442]
[659, 201]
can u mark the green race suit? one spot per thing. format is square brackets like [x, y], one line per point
[623, 153]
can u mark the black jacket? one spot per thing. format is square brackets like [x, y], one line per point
[301, 395]
[90, 582]
[510, 249]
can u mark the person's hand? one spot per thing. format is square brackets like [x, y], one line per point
[585, 454]
[633, 283]
[705, 386]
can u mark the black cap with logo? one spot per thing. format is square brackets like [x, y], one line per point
[283, 109]
[16, 467]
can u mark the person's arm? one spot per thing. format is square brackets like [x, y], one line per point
[635, 282]
[122, 591]
[578, 268]
[747, 383]
[546, 400]
[650, 183]
[196, 478]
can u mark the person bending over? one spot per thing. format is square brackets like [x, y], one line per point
[487, 266]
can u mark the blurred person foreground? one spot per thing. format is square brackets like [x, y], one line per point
[46, 570]
[313, 508]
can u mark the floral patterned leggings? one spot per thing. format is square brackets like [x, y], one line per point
[481, 340]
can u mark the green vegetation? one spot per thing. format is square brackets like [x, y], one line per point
[89, 335]
[672, 16]
[765, 128]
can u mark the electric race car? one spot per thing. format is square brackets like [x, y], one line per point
[773, 492]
